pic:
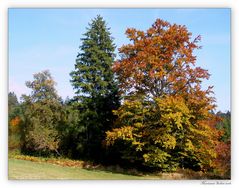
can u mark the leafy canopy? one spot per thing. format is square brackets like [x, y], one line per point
[166, 117]
[42, 112]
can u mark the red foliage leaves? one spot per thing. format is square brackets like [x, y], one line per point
[223, 161]
[159, 61]
[160, 64]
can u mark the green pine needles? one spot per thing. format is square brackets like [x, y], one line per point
[95, 87]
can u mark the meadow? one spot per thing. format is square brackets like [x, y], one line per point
[22, 167]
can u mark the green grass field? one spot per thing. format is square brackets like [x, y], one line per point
[20, 169]
[25, 169]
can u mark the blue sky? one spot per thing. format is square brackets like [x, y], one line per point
[41, 39]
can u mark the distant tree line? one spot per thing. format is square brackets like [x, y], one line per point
[146, 110]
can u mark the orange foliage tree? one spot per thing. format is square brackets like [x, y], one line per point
[15, 121]
[165, 120]
[14, 133]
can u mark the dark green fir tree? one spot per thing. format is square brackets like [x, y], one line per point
[95, 88]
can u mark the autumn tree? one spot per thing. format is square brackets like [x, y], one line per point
[165, 120]
[42, 112]
[13, 105]
[14, 122]
[95, 88]
[223, 162]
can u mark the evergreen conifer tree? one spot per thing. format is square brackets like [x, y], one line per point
[95, 88]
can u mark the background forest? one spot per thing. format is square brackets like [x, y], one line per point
[145, 110]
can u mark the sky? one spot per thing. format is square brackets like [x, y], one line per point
[49, 39]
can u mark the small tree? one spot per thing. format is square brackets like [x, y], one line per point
[42, 111]
[12, 101]
[14, 122]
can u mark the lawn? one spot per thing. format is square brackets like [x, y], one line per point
[21, 169]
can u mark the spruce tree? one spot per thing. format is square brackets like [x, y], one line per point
[95, 88]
